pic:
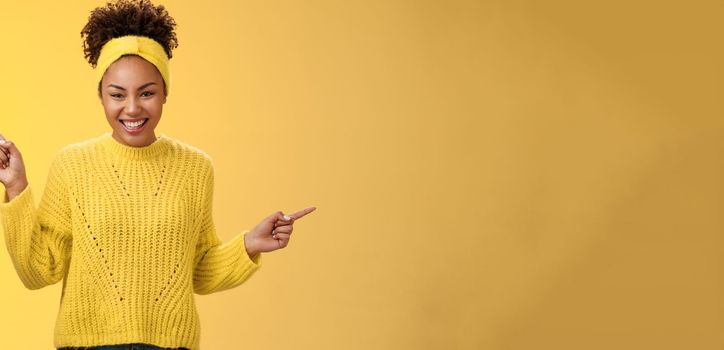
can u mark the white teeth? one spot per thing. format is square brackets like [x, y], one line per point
[133, 124]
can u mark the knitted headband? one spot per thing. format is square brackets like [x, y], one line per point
[142, 46]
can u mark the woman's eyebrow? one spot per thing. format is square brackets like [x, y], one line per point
[124, 89]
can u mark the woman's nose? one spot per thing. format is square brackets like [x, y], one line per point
[132, 106]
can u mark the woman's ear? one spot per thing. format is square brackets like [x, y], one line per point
[100, 96]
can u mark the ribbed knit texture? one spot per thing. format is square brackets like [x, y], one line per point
[137, 222]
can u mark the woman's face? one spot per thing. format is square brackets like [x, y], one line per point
[132, 91]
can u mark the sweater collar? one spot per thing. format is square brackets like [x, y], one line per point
[155, 149]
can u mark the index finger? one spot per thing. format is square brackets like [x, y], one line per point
[301, 213]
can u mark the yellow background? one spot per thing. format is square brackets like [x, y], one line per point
[487, 174]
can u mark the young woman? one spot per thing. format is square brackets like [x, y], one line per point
[125, 219]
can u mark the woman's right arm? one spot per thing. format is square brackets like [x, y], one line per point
[38, 240]
[12, 170]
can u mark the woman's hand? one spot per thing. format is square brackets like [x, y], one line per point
[12, 169]
[273, 232]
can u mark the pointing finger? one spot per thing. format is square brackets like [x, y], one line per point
[290, 218]
[299, 214]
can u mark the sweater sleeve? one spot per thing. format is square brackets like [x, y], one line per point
[219, 266]
[39, 241]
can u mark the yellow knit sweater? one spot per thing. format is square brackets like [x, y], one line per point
[130, 232]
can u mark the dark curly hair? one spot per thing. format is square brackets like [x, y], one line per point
[127, 17]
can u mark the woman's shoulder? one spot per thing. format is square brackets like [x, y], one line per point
[189, 151]
[77, 148]
[67, 157]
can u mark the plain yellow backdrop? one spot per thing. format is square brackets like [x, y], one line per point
[487, 174]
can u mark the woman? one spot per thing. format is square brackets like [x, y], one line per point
[132, 209]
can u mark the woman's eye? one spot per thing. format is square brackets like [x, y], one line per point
[116, 95]
[147, 93]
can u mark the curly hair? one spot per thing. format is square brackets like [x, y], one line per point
[127, 17]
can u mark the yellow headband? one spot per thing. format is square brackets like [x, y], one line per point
[142, 46]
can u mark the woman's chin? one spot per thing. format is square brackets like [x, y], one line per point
[142, 139]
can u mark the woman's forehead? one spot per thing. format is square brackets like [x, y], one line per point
[132, 71]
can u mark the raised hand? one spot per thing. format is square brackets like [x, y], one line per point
[274, 232]
[12, 169]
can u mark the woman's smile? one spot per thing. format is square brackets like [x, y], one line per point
[133, 126]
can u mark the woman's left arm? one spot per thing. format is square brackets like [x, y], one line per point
[222, 266]
[219, 266]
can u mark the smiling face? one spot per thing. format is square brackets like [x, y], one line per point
[132, 93]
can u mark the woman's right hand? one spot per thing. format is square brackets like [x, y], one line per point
[12, 168]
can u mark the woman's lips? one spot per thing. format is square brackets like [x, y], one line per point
[134, 131]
